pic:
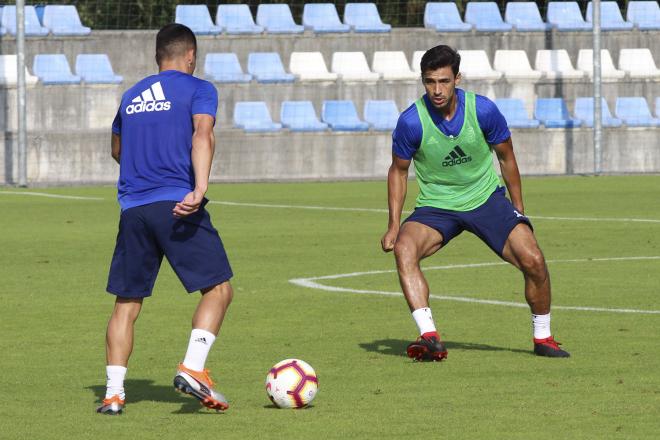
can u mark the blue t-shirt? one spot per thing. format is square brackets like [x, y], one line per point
[407, 135]
[155, 123]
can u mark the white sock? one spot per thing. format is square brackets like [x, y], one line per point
[115, 375]
[198, 349]
[541, 326]
[424, 320]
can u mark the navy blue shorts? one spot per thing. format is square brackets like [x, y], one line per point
[492, 222]
[146, 233]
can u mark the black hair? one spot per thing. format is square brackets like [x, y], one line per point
[174, 40]
[440, 56]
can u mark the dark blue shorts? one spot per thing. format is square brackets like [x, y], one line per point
[492, 222]
[146, 233]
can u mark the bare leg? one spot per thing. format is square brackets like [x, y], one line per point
[212, 307]
[119, 337]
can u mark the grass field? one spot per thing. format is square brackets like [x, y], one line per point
[53, 312]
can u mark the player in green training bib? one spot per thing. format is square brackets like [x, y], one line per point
[450, 135]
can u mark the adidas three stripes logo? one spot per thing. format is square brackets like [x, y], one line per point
[150, 100]
[456, 157]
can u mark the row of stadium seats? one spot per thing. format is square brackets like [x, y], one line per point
[54, 69]
[42, 20]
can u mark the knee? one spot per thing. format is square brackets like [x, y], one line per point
[223, 291]
[533, 264]
[405, 253]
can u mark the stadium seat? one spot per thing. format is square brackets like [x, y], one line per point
[610, 17]
[277, 19]
[638, 63]
[416, 60]
[584, 110]
[566, 16]
[9, 71]
[300, 116]
[486, 17]
[197, 18]
[381, 115]
[352, 66]
[515, 114]
[225, 68]
[33, 27]
[310, 66]
[63, 20]
[635, 112]
[342, 116]
[266, 67]
[444, 17]
[644, 14]
[393, 66]
[53, 69]
[323, 18]
[514, 64]
[525, 17]
[364, 17]
[552, 113]
[475, 65]
[556, 64]
[236, 19]
[253, 116]
[96, 69]
[608, 71]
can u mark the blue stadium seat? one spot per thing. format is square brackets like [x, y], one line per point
[225, 68]
[444, 17]
[485, 16]
[197, 18]
[96, 69]
[364, 17]
[566, 16]
[552, 113]
[253, 116]
[277, 19]
[635, 112]
[33, 27]
[342, 116]
[63, 20]
[266, 67]
[584, 110]
[53, 69]
[382, 115]
[610, 17]
[525, 16]
[300, 116]
[644, 14]
[323, 18]
[236, 19]
[515, 114]
[3, 30]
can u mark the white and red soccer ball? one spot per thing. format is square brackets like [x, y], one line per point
[291, 383]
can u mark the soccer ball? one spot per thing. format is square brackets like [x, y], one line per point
[291, 383]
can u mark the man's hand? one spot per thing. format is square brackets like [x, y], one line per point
[388, 240]
[189, 205]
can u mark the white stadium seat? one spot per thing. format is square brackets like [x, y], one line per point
[475, 65]
[393, 65]
[638, 63]
[310, 66]
[556, 64]
[9, 71]
[515, 65]
[416, 59]
[352, 66]
[608, 71]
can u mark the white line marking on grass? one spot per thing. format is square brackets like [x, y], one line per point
[54, 196]
[312, 283]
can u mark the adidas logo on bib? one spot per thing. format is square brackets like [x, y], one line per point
[456, 157]
[151, 100]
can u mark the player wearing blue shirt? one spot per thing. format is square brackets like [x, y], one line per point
[162, 138]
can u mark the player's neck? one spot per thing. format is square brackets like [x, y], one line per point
[178, 65]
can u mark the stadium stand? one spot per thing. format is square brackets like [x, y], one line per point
[515, 114]
[266, 67]
[610, 17]
[645, 15]
[552, 113]
[277, 19]
[584, 111]
[310, 66]
[657, 107]
[486, 17]
[634, 111]
[352, 66]
[96, 69]
[225, 68]
[475, 65]
[392, 65]
[381, 115]
[525, 17]
[566, 16]
[342, 116]
[9, 72]
[556, 64]
[515, 65]
[444, 17]
[585, 63]
[63, 20]
[253, 116]
[197, 18]
[300, 116]
[236, 19]
[416, 60]
[638, 63]
[53, 69]
[364, 17]
[33, 27]
[323, 18]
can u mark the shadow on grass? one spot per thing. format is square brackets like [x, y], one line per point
[397, 347]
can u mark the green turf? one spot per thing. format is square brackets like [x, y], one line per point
[53, 312]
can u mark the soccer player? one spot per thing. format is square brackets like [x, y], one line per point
[162, 138]
[450, 134]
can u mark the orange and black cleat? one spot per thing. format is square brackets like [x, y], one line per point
[112, 406]
[199, 385]
[427, 349]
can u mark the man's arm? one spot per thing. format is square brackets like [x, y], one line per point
[397, 187]
[115, 147]
[510, 173]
